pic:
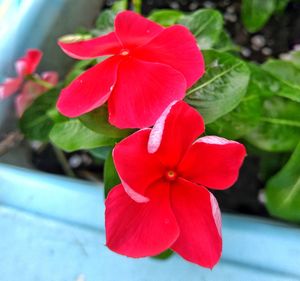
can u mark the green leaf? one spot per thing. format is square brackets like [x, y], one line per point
[288, 75]
[77, 69]
[97, 120]
[35, 123]
[119, 6]
[164, 255]
[281, 5]
[279, 126]
[105, 21]
[222, 87]
[224, 43]
[111, 177]
[166, 17]
[283, 190]
[256, 13]
[295, 58]
[101, 152]
[206, 25]
[239, 121]
[72, 135]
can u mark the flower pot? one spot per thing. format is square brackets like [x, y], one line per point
[53, 229]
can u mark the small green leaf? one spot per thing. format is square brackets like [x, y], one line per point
[105, 21]
[281, 5]
[222, 87]
[283, 190]
[224, 43]
[279, 126]
[36, 123]
[101, 152]
[97, 120]
[288, 75]
[256, 13]
[166, 17]
[111, 177]
[72, 135]
[164, 255]
[77, 69]
[206, 25]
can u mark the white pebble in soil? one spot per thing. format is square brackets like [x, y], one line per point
[230, 9]
[174, 5]
[230, 17]
[258, 41]
[193, 6]
[36, 145]
[75, 161]
[267, 51]
[245, 52]
[261, 197]
[209, 4]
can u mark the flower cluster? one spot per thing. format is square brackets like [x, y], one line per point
[28, 83]
[162, 201]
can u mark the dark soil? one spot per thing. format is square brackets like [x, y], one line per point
[279, 36]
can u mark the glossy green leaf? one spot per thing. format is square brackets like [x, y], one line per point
[283, 190]
[288, 75]
[256, 13]
[224, 43]
[279, 126]
[111, 177]
[166, 17]
[281, 5]
[222, 87]
[97, 120]
[105, 21]
[206, 25]
[101, 152]
[77, 69]
[36, 123]
[295, 58]
[72, 135]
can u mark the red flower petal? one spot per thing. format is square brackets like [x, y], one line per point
[142, 92]
[199, 220]
[140, 229]
[134, 30]
[90, 90]
[28, 64]
[136, 167]
[213, 161]
[9, 87]
[104, 45]
[176, 47]
[174, 132]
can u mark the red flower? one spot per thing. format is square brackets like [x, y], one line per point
[149, 67]
[24, 66]
[163, 201]
[30, 90]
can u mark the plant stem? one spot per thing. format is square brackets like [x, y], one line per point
[64, 162]
[41, 82]
[10, 141]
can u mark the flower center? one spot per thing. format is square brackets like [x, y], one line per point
[171, 175]
[124, 52]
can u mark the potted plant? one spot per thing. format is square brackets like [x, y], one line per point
[237, 99]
